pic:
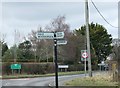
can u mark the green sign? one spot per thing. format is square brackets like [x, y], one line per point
[83, 59]
[16, 66]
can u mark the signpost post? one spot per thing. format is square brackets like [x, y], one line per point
[55, 36]
[45, 35]
[59, 35]
[56, 65]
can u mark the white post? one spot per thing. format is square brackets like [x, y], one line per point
[85, 66]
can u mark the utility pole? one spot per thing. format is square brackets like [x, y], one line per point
[0, 48]
[0, 60]
[88, 38]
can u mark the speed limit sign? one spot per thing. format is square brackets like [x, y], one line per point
[85, 55]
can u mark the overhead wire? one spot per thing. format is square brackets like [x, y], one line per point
[102, 15]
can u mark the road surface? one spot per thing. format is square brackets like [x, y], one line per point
[41, 81]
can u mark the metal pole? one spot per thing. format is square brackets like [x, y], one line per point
[85, 65]
[88, 39]
[56, 65]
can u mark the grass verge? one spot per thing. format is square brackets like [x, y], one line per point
[98, 80]
[41, 75]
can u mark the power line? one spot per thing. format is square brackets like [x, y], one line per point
[102, 15]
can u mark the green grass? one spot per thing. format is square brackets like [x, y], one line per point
[41, 75]
[99, 80]
[70, 73]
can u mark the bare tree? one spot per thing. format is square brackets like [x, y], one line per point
[58, 24]
[41, 48]
[45, 47]
[69, 52]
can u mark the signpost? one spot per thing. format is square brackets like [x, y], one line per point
[61, 42]
[84, 56]
[59, 35]
[56, 65]
[45, 35]
[15, 67]
[50, 35]
[65, 67]
[55, 36]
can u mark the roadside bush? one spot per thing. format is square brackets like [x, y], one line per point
[77, 67]
[50, 68]
[68, 62]
[30, 68]
[95, 67]
[6, 69]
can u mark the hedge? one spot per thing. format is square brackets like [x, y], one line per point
[29, 68]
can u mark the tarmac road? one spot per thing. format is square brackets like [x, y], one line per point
[41, 81]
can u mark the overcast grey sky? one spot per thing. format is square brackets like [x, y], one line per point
[27, 16]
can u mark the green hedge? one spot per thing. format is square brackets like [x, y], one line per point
[77, 67]
[38, 68]
[29, 68]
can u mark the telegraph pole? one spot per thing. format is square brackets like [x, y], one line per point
[0, 48]
[88, 39]
[0, 60]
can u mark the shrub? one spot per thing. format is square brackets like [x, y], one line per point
[30, 68]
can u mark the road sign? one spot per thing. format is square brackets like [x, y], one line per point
[45, 35]
[50, 35]
[61, 42]
[63, 66]
[59, 35]
[16, 66]
[84, 55]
